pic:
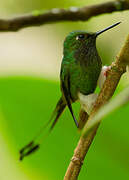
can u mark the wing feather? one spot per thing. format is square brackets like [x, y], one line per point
[65, 85]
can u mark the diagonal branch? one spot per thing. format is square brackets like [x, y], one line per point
[113, 77]
[57, 15]
[120, 100]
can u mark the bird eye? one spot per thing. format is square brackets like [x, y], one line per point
[80, 37]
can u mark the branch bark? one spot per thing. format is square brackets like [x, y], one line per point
[57, 15]
[113, 77]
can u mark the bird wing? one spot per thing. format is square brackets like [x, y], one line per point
[65, 85]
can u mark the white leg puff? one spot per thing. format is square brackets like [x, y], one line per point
[87, 101]
[127, 68]
[102, 77]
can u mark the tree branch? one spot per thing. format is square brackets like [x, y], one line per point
[120, 100]
[113, 77]
[38, 18]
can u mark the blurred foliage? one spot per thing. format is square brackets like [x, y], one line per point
[26, 103]
[26, 6]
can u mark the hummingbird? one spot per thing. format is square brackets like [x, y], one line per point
[80, 69]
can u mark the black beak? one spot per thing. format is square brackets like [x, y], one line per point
[99, 32]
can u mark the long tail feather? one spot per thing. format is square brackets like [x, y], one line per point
[57, 112]
[32, 147]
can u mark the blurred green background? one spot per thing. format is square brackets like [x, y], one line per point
[29, 89]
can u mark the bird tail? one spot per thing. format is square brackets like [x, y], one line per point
[32, 147]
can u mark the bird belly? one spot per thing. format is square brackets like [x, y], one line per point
[84, 83]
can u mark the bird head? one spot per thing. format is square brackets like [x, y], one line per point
[82, 39]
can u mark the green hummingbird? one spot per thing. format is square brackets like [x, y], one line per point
[80, 70]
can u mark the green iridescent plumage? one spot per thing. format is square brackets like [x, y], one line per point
[80, 69]
[81, 63]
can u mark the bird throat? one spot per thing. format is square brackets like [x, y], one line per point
[86, 55]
